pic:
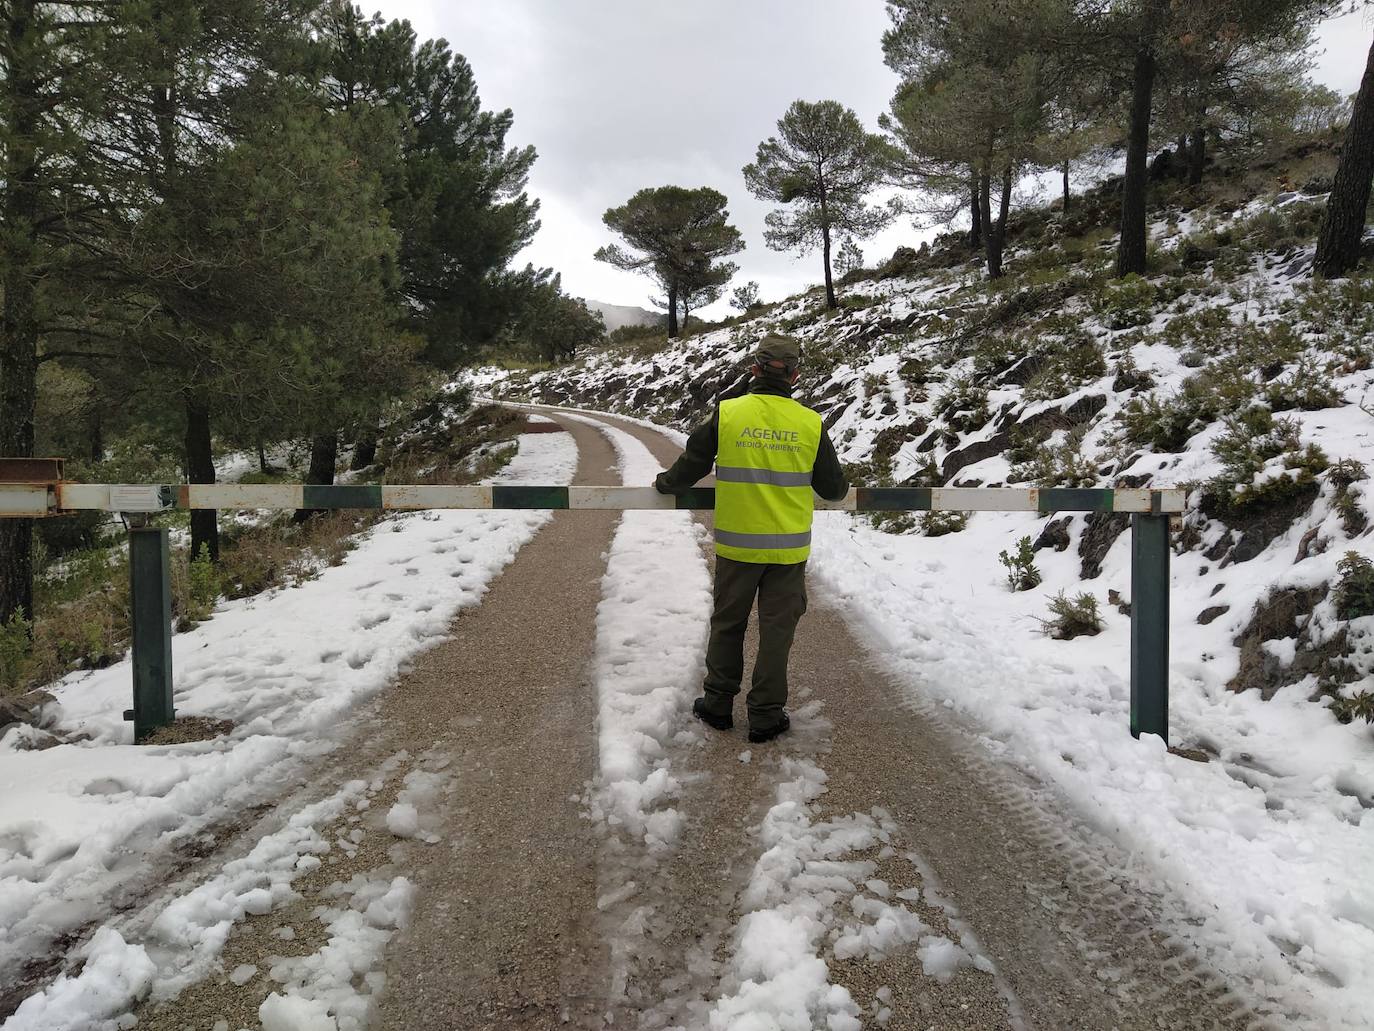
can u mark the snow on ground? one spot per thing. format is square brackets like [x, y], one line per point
[649, 643]
[1261, 844]
[286, 667]
[809, 898]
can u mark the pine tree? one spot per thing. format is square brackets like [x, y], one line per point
[550, 324]
[1156, 32]
[677, 238]
[1338, 245]
[973, 108]
[745, 297]
[848, 258]
[822, 165]
[454, 191]
[55, 197]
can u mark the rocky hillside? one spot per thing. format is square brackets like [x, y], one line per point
[1228, 371]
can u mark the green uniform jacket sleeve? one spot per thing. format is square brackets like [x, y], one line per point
[697, 460]
[828, 478]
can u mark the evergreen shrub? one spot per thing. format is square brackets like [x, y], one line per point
[938, 524]
[1022, 575]
[1355, 589]
[1126, 302]
[1263, 461]
[1072, 617]
[15, 646]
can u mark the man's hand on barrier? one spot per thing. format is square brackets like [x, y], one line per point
[660, 484]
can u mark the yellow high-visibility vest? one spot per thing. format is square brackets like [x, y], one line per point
[765, 453]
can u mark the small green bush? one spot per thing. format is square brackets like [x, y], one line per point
[1067, 366]
[1329, 306]
[1355, 589]
[1359, 705]
[1205, 329]
[1252, 439]
[917, 374]
[1126, 302]
[1061, 465]
[893, 522]
[1166, 424]
[1344, 475]
[1072, 617]
[204, 584]
[1266, 349]
[1021, 572]
[964, 406]
[1308, 388]
[1128, 376]
[937, 524]
[15, 645]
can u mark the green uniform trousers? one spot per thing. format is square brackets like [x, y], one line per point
[781, 593]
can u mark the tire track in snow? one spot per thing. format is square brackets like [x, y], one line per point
[765, 879]
[1084, 952]
[666, 889]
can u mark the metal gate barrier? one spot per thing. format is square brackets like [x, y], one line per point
[35, 488]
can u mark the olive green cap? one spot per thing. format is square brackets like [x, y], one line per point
[776, 350]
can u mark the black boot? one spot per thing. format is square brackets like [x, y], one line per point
[700, 711]
[758, 736]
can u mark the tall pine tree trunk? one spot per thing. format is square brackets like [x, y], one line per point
[1197, 152]
[1338, 245]
[991, 255]
[200, 468]
[672, 310]
[1065, 171]
[975, 233]
[95, 432]
[996, 232]
[18, 392]
[18, 308]
[1131, 252]
[830, 299]
[324, 460]
[365, 450]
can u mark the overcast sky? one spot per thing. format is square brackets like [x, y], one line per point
[617, 95]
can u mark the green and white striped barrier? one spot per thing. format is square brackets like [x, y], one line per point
[41, 499]
[34, 488]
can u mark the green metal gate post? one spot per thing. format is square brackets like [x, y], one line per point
[1150, 625]
[150, 585]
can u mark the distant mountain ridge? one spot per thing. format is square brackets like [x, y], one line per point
[617, 315]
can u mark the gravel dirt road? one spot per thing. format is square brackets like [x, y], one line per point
[1052, 903]
[506, 931]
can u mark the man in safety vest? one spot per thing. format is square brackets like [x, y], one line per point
[770, 453]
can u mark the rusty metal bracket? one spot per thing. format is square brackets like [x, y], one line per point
[29, 486]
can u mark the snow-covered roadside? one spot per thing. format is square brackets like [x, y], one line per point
[286, 667]
[809, 897]
[1264, 846]
[650, 635]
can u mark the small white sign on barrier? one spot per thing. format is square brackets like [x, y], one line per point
[135, 497]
